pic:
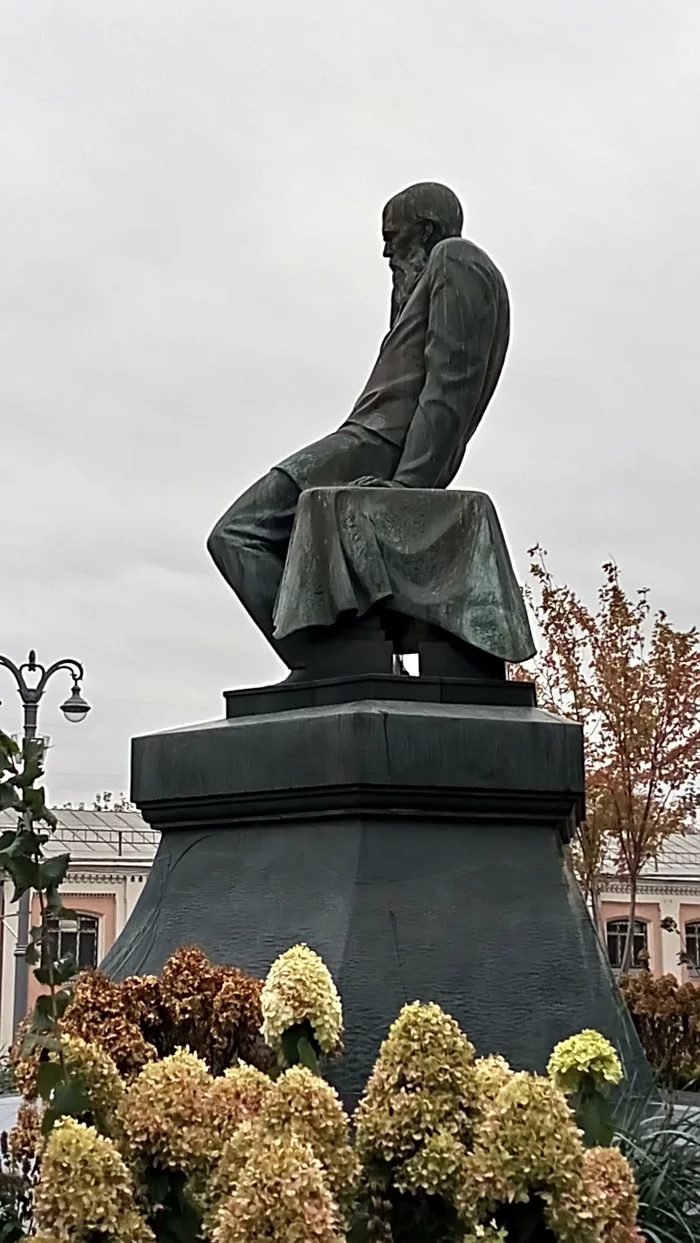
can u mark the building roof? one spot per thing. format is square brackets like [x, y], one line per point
[98, 836]
[112, 836]
[679, 860]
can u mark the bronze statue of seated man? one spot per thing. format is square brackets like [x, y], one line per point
[434, 376]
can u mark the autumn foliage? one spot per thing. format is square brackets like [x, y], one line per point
[667, 1017]
[632, 681]
[212, 1010]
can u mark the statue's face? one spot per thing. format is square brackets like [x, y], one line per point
[405, 248]
[402, 238]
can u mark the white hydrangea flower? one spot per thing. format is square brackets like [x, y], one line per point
[299, 988]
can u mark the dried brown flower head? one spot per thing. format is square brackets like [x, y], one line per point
[97, 1013]
[25, 1066]
[25, 1138]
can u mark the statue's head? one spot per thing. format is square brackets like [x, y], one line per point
[420, 217]
[413, 222]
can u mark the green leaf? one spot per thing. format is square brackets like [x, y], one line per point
[48, 1118]
[61, 1001]
[39, 1040]
[42, 1024]
[8, 796]
[8, 745]
[59, 972]
[299, 1045]
[290, 1046]
[185, 1224]
[55, 907]
[10, 1225]
[54, 1006]
[66, 912]
[593, 1116]
[65, 969]
[178, 1221]
[31, 771]
[307, 1055]
[44, 1006]
[157, 1184]
[24, 873]
[53, 901]
[25, 845]
[35, 802]
[32, 955]
[53, 871]
[71, 1098]
[358, 1231]
[7, 838]
[50, 1074]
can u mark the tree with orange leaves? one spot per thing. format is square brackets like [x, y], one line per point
[632, 681]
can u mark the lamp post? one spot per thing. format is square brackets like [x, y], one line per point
[31, 680]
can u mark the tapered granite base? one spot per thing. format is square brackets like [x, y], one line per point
[417, 845]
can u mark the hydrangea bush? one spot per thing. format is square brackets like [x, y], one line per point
[587, 1055]
[585, 1067]
[172, 1146]
[302, 1014]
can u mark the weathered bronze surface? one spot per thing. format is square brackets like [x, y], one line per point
[436, 556]
[435, 374]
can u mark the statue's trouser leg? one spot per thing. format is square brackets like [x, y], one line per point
[249, 544]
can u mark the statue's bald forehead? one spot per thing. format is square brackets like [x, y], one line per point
[397, 211]
[401, 209]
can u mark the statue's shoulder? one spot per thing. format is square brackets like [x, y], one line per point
[459, 250]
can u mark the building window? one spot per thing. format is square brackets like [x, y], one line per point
[74, 938]
[692, 946]
[617, 938]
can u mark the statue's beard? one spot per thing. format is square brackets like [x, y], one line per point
[407, 272]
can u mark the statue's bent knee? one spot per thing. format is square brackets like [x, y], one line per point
[215, 540]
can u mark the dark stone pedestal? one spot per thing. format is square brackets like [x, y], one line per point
[412, 834]
[377, 643]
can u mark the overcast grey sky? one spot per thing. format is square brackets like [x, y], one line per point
[193, 287]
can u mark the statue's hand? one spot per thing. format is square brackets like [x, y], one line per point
[368, 481]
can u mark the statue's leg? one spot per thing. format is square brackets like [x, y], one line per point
[249, 544]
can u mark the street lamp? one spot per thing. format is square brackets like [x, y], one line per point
[74, 708]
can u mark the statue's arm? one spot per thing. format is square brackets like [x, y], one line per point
[463, 319]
